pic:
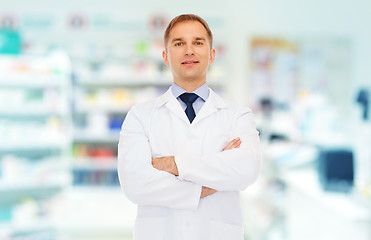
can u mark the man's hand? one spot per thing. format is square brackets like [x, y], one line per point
[235, 143]
[166, 164]
[207, 191]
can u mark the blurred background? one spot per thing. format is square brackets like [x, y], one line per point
[70, 70]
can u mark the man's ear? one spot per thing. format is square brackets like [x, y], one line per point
[165, 57]
[212, 56]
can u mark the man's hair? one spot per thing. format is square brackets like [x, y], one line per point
[187, 18]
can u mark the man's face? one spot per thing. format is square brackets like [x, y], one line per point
[188, 52]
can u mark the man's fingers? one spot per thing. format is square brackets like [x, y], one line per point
[230, 144]
[207, 191]
[235, 143]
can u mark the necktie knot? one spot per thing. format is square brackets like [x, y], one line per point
[188, 97]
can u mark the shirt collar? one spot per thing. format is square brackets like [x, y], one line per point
[169, 97]
[202, 91]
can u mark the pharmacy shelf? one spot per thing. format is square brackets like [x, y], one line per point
[34, 153]
[124, 83]
[13, 193]
[99, 160]
[100, 178]
[30, 146]
[95, 167]
[28, 81]
[89, 137]
[35, 124]
[109, 109]
[93, 164]
[31, 112]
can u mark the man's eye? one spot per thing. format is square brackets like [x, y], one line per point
[178, 44]
[198, 43]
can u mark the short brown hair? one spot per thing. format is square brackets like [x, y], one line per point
[186, 18]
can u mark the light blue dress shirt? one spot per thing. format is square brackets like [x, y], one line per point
[202, 92]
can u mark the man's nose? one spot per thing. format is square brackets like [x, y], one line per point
[189, 50]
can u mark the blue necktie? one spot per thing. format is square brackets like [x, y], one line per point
[188, 99]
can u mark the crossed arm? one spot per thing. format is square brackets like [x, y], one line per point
[148, 181]
[168, 164]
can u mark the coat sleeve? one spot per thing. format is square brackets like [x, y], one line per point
[230, 170]
[140, 181]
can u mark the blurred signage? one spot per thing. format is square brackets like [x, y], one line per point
[10, 41]
[77, 22]
[38, 22]
[8, 21]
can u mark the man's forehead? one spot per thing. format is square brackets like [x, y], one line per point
[181, 28]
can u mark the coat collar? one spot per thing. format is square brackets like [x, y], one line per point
[212, 104]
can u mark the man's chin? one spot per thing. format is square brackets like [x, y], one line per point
[192, 75]
[191, 78]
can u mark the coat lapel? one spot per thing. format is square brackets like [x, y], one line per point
[212, 104]
[169, 101]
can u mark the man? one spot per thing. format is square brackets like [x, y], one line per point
[184, 157]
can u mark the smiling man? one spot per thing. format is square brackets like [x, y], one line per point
[188, 52]
[184, 157]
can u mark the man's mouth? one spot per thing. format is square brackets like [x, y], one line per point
[190, 62]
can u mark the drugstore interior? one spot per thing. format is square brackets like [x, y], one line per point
[70, 70]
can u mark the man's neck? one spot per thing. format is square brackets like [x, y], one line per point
[189, 86]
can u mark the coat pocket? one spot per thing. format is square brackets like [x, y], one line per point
[149, 228]
[225, 231]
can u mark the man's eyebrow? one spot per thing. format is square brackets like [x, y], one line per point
[177, 39]
[200, 38]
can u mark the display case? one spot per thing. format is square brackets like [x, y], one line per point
[102, 97]
[35, 136]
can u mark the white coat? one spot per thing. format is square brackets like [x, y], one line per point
[169, 207]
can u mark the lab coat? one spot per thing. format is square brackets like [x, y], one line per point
[169, 207]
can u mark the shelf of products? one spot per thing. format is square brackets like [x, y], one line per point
[11, 193]
[95, 164]
[35, 135]
[109, 79]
